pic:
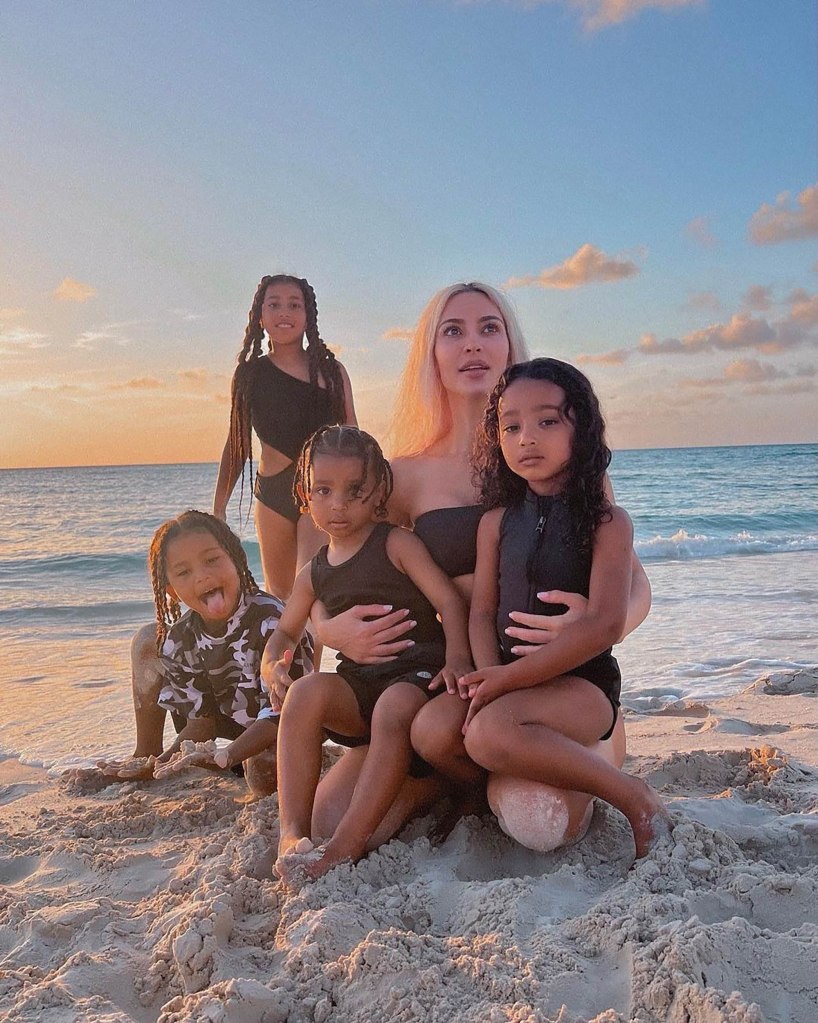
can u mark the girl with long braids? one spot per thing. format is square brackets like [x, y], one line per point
[283, 391]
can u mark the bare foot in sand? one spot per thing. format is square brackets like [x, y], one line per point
[650, 822]
[294, 857]
[132, 769]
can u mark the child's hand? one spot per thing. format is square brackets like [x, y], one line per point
[278, 680]
[483, 687]
[451, 674]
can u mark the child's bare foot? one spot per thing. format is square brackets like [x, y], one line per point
[650, 822]
[294, 856]
[331, 856]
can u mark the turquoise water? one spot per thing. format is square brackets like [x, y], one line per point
[728, 537]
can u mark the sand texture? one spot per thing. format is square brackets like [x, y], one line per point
[153, 901]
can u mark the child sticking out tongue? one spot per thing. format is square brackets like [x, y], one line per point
[215, 604]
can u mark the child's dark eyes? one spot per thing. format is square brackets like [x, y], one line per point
[320, 491]
[510, 428]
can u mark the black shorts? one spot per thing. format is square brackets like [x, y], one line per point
[276, 492]
[370, 681]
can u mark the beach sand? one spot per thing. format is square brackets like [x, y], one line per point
[155, 902]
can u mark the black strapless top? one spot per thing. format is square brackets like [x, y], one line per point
[450, 534]
[284, 410]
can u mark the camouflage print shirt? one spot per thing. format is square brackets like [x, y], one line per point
[204, 674]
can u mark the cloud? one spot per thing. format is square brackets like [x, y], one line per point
[612, 358]
[70, 290]
[780, 222]
[704, 300]
[597, 14]
[89, 340]
[10, 313]
[741, 331]
[588, 265]
[804, 308]
[137, 384]
[18, 340]
[758, 297]
[751, 371]
[699, 231]
[398, 334]
[790, 387]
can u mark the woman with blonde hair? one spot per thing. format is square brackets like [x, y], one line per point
[466, 336]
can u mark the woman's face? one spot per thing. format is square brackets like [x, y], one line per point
[471, 344]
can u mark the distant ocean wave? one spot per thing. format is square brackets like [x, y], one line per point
[681, 545]
[92, 613]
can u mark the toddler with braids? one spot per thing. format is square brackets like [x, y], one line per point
[283, 394]
[344, 481]
[211, 655]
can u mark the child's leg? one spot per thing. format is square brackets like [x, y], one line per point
[382, 775]
[437, 735]
[256, 738]
[544, 732]
[337, 787]
[146, 683]
[276, 542]
[317, 701]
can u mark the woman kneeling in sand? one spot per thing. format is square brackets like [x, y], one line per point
[466, 337]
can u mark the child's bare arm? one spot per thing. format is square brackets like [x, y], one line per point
[278, 652]
[196, 730]
[485, 646]
[591, 635]
[409, 554]
[349, 405]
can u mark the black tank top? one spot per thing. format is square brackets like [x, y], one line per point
[284, 410]
[538, 552]
[450, 534]
[369, 577]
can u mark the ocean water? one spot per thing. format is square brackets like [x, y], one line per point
[728, 537]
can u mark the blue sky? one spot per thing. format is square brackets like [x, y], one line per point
[161, 157]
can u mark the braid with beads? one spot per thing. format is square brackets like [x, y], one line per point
[168, 609]
[321, 361]
[344, 442]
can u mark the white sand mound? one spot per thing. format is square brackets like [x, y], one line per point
[156, 902]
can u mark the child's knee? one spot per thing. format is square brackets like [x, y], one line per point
[486, 742]
[397, 707]
[436, 738]
[308, 695]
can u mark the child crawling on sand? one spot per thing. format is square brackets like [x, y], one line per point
[211, 655]
[344, 481]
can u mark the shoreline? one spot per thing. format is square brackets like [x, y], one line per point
[154, 902]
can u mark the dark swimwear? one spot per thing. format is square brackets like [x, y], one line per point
[538, 552]
[369, 577]
[450, 535]
[284, 412]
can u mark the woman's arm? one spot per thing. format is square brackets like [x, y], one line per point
[278, 652]
[582, 640]
[373, 642]
[350, 418]
[485, 646]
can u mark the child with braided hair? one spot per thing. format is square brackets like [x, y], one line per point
[283, 394]
[344, 481]
[211, 655]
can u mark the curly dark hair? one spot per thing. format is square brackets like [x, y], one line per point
[344, 442]
[322, 365]
[168, 609]
[584, 489]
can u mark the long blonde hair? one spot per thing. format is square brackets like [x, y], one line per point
[422, 415]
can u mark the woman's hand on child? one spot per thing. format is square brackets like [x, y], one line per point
[368, 642]
[537, 630]
[451, 675]
[483, 687]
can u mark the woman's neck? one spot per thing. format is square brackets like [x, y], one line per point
[466, 414]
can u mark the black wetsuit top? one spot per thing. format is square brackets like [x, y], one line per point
[538, 552]
[450, 534]
[369, 577]
[284, 410]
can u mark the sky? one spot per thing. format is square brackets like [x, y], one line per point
[638, 175]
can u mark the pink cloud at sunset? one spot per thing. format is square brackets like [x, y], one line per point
[698, 230]
[588, 265]
[71, 290]
[780, 221]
